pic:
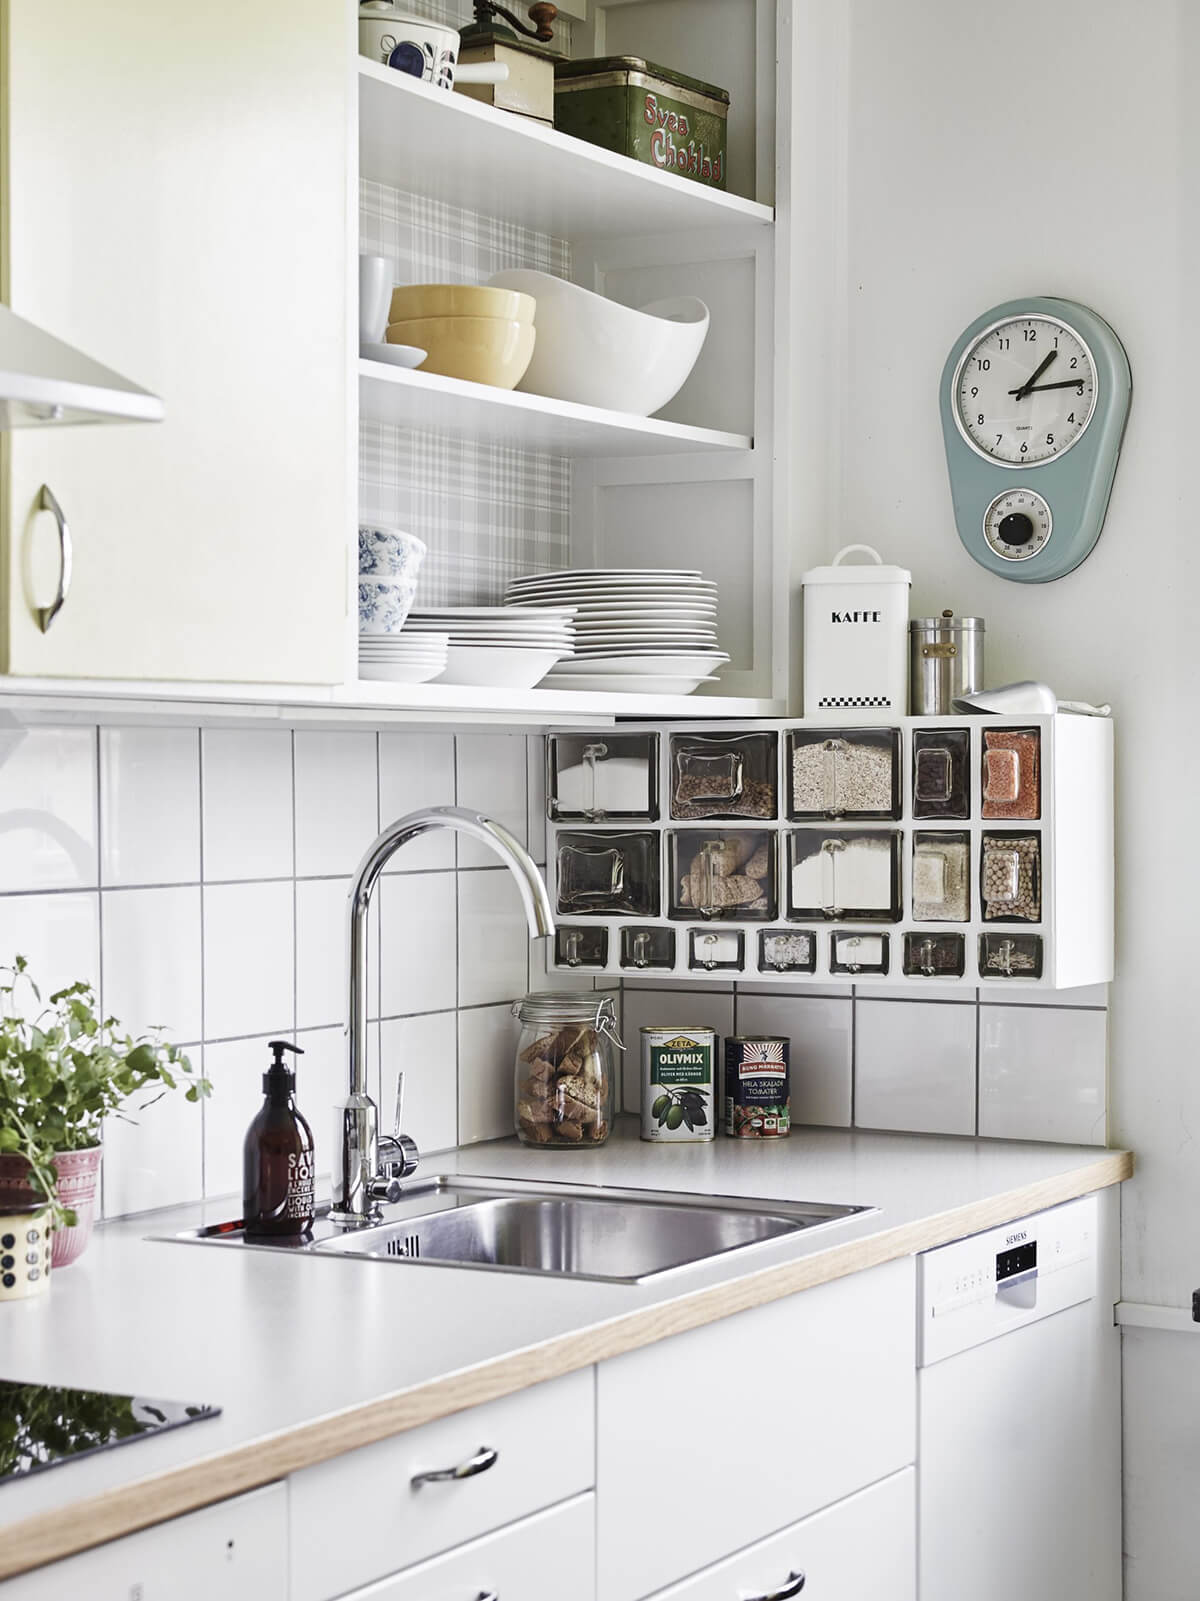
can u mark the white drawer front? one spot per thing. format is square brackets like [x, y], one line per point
[548, 1557]
[861, 1549]
[236, 1550]
[713, 1439]
[360, 1517]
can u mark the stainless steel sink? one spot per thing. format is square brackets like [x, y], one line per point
[569, 1231]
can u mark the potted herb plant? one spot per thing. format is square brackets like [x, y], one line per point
[62, 1072]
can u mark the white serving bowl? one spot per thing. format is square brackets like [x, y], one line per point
[599, 353]
[492, 668]
[383, 604]
[390, 553]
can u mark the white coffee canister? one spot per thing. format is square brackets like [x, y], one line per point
[856, 639]
[409, 43]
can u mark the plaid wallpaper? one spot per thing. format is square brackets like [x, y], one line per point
[487, 514]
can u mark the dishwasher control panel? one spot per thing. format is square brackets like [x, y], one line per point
[989, 1284]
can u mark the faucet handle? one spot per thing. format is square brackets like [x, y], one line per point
[398, 1119]
[398, 1153]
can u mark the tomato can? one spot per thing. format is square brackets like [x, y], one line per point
[678, 1084]
[757, 1087]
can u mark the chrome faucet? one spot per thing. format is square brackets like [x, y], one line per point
[366, 1168]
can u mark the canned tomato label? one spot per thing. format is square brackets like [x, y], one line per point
[678, 1089]
[757, 1090]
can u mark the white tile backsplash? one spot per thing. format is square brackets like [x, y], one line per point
[249, 960]
[151, 959]
[48, 809]
[149, 806]
[1043, 1074]
[225, 859]
[493, 777]
[337, 800]
[914, 1066]
[247, 803]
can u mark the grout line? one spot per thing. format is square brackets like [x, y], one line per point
[977, 1085]
[854, 1056]
[295, 895]
[203, 985]
[100, 946]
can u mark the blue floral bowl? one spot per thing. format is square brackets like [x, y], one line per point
[384, 604]
[389, 553]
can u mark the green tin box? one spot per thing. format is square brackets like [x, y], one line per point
[662, 118]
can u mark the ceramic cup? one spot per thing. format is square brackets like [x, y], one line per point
[375, 283]
[384, 604]
[389, 553]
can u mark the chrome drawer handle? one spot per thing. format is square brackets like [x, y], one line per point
[794, 1585]
[47, 614]
[483, 1459]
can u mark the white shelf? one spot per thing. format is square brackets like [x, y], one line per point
[36, 701]
[454, 149]
[415, 399]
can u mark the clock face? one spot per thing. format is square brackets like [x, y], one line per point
[1024, 391]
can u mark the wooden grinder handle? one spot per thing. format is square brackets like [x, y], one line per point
[543, 15]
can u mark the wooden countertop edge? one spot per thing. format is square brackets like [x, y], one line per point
[50, 1536]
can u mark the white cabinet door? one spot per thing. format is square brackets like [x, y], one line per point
[175, 197]
[861, 1549]
[713, 1439]
[236, 1550]
[534, 1449]
[549, 1557]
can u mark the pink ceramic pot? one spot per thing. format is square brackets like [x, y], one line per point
[78, 1176]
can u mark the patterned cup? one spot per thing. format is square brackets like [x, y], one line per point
[384, 604]
[389, 553]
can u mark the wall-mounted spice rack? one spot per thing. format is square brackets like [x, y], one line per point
[948, 850]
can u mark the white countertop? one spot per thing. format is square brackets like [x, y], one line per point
[283, 1342]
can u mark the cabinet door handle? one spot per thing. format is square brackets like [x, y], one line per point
[483, 1459]
[794, 1585]
[488, 1595]
[47, 614]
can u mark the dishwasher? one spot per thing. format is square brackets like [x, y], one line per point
[1018, 1415]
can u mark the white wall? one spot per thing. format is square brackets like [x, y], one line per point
[981, 153]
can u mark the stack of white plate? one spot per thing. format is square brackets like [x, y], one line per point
[498, 647]
[402, 658]
[637, 629]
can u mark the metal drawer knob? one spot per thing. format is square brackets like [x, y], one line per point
[794, 1585]
[483, 1459]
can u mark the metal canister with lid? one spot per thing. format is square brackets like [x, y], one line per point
[945, 662]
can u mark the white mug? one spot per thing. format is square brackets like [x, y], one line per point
[375, 283]
[427, 50]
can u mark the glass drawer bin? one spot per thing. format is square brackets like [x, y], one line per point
[941, 783]
[602, 873]
[787, 950]
[728, 877]
[941, 878]
[716, 950]
[724, 775]
[844, 772]
[858, 953]
[1011, 778]
[935, 955]
[645, 948]
[580, 947]
[591, 778]
[1010, 956]
[844, 875]
[1010, 872]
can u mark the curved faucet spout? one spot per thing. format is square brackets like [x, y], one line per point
[357, 1179]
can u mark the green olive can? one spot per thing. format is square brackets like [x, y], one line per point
[757, 1087]
[678, 1084]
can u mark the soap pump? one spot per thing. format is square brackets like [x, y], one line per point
[277, 1193]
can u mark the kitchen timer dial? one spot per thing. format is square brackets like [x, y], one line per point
[1039, 387]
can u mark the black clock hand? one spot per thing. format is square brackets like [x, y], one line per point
[1037, 389]
[1034, 376]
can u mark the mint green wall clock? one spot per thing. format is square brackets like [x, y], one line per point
[1035, 397]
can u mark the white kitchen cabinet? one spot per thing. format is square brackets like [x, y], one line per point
[544, 1445]
[235, 1550]
[716, 1438]
[176, 184]
[548, 1557]
[861, 1549]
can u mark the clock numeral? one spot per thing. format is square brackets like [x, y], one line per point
[1049, 439]
[1071, 417]
[1074, 362]
[1024, 448]
[1001, 343]
[1030, 335]
[974, 392]
[1079, 391]
[1056, 341]
[980, 419]
[983, 364]
[999, 437]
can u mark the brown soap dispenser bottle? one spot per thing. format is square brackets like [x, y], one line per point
[277, 1191]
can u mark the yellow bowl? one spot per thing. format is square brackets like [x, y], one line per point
[459, 300]
[482, 350]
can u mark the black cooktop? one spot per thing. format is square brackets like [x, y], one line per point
[42, 1426]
